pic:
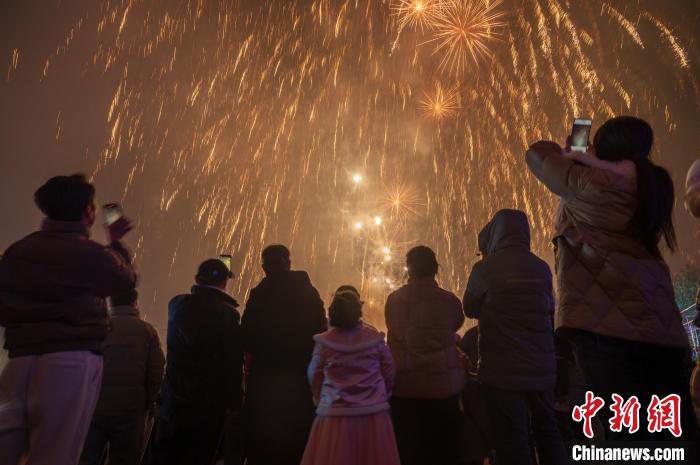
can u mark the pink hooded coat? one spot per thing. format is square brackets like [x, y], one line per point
[351, 372]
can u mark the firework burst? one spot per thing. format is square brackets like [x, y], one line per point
[441, 103]
[463, 30]
[404, 202]
[226, 126]
[419, 14]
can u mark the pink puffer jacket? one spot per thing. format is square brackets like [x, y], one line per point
[351, 372]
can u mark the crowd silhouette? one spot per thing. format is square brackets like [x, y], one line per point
[282, 382]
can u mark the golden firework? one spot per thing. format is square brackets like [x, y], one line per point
[441, 103]
[420, 14]
[403, 201]
[237, 122]
[463, 30]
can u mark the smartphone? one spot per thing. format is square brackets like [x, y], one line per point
[579, 134]
[227, 261]
[112, 212]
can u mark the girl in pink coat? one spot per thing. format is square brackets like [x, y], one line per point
[351, 375]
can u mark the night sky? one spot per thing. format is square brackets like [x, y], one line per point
[225, 126]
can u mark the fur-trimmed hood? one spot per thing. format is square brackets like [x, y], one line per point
[351, 372]
[361, 337]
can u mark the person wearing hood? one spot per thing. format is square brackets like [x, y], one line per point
[422, 321]
[282, 315]
[510, 292]
[351, 375]
[203, 377]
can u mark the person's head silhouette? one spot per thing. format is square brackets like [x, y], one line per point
[275, 259]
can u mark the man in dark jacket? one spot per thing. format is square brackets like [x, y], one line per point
[202, 386]
[133, 370]
[53, 286]
[281, 316]
[510, 292]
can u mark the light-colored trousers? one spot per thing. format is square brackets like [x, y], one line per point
[46, 404]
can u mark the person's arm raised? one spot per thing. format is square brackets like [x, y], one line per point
[111, 269]
[561, 174]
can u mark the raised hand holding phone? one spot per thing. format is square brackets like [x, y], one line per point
[580, 132]
[117, 230]
[116, 223]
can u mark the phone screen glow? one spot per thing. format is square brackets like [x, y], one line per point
[227, 261]
[580, 134]
[112, 213]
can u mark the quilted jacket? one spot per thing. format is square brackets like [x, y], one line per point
[608, 282]
[133, 364]
[422, 321]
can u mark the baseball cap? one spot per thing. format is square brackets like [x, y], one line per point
[213, 271]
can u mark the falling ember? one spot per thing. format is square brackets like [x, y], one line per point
[462, 33]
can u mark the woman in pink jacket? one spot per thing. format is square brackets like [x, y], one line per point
[351, 375]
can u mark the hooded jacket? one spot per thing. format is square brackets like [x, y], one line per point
[53, 289]
[608, 282]
[510, 292]
[351, 371]
[133, 364]
[422, 321]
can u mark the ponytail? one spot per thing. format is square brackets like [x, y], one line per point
[653, 217]
[630, 138]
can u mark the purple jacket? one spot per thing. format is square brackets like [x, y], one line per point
[351, 372]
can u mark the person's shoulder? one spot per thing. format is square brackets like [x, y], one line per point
[24, 246]
[449, 295]
[179, 300]
[483, 265]
[135, 325]
[544, 266]
[607, 177]
[300, 277]
[229, 308]
[398, 294]
[148, 327]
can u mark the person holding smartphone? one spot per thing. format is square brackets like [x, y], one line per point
[615, 297]
[53, 289]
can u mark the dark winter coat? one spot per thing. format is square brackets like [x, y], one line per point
[133, 364]
[282, 315]
[53, 286]
[205, 361]
[510, 292]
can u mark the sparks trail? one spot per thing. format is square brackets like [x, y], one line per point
[237, 121]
